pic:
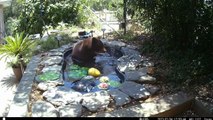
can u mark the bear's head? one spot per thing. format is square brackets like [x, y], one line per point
[98, 46]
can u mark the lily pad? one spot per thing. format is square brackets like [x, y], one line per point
[73, 67]
[76, 74]
[49, 76]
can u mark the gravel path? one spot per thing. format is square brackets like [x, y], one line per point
[7, 88]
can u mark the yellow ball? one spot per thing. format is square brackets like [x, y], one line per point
[94, 72]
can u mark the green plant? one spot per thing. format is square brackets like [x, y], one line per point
[18, 48]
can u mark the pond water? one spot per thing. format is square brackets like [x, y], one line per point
[77, 77]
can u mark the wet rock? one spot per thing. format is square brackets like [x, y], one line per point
[43, 109]
[96, 101]
[119, 97]
[71, 110]
[134, 90]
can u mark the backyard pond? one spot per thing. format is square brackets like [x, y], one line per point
[117, 78]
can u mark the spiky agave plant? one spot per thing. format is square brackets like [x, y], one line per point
[16, 47]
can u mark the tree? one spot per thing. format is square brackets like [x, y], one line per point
[182, 27]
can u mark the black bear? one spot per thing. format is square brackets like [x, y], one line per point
[83, 52]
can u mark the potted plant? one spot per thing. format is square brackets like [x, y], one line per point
[16, 52]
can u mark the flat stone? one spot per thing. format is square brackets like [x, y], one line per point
[128, 63]
[52, 68]
[135, 75]
[96, 101]
[61, 49]
[62, 95]
[71, 110]
[147, 79]
[115, 44]
[53, 60]
[43, 109]
[132, 47]
[170, 106]
[119, 97]
[151, 88]
[148, 64]
[65, 46]
[42, 86]
[129, 51]
[134, 90]
[55, 54]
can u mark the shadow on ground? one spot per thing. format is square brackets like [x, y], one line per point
[9, 82]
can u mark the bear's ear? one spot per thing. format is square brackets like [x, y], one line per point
[95, 40]
[99, 37]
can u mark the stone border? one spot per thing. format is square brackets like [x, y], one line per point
[19, 105]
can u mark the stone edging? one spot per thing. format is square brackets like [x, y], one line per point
[19, 105]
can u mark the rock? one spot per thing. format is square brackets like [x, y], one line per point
[134, 90]
[148, 64]
[96, 101]
[128, 63]
[55, 54]
[170, 105]
[132, 47]
[126, 66]
[152, 88]
[144, 58]
[62, 95]
[53, 60]
[135, 75]
[52, 68]
[58, 50]
[129, 51]
[42, 86]
[119, 97]
[147, 79]
[71, 110]
[115, 44]
[43, 109]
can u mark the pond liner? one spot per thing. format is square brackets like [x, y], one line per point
[118, 54]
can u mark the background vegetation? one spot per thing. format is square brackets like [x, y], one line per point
[183, 35]
[181, 30]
